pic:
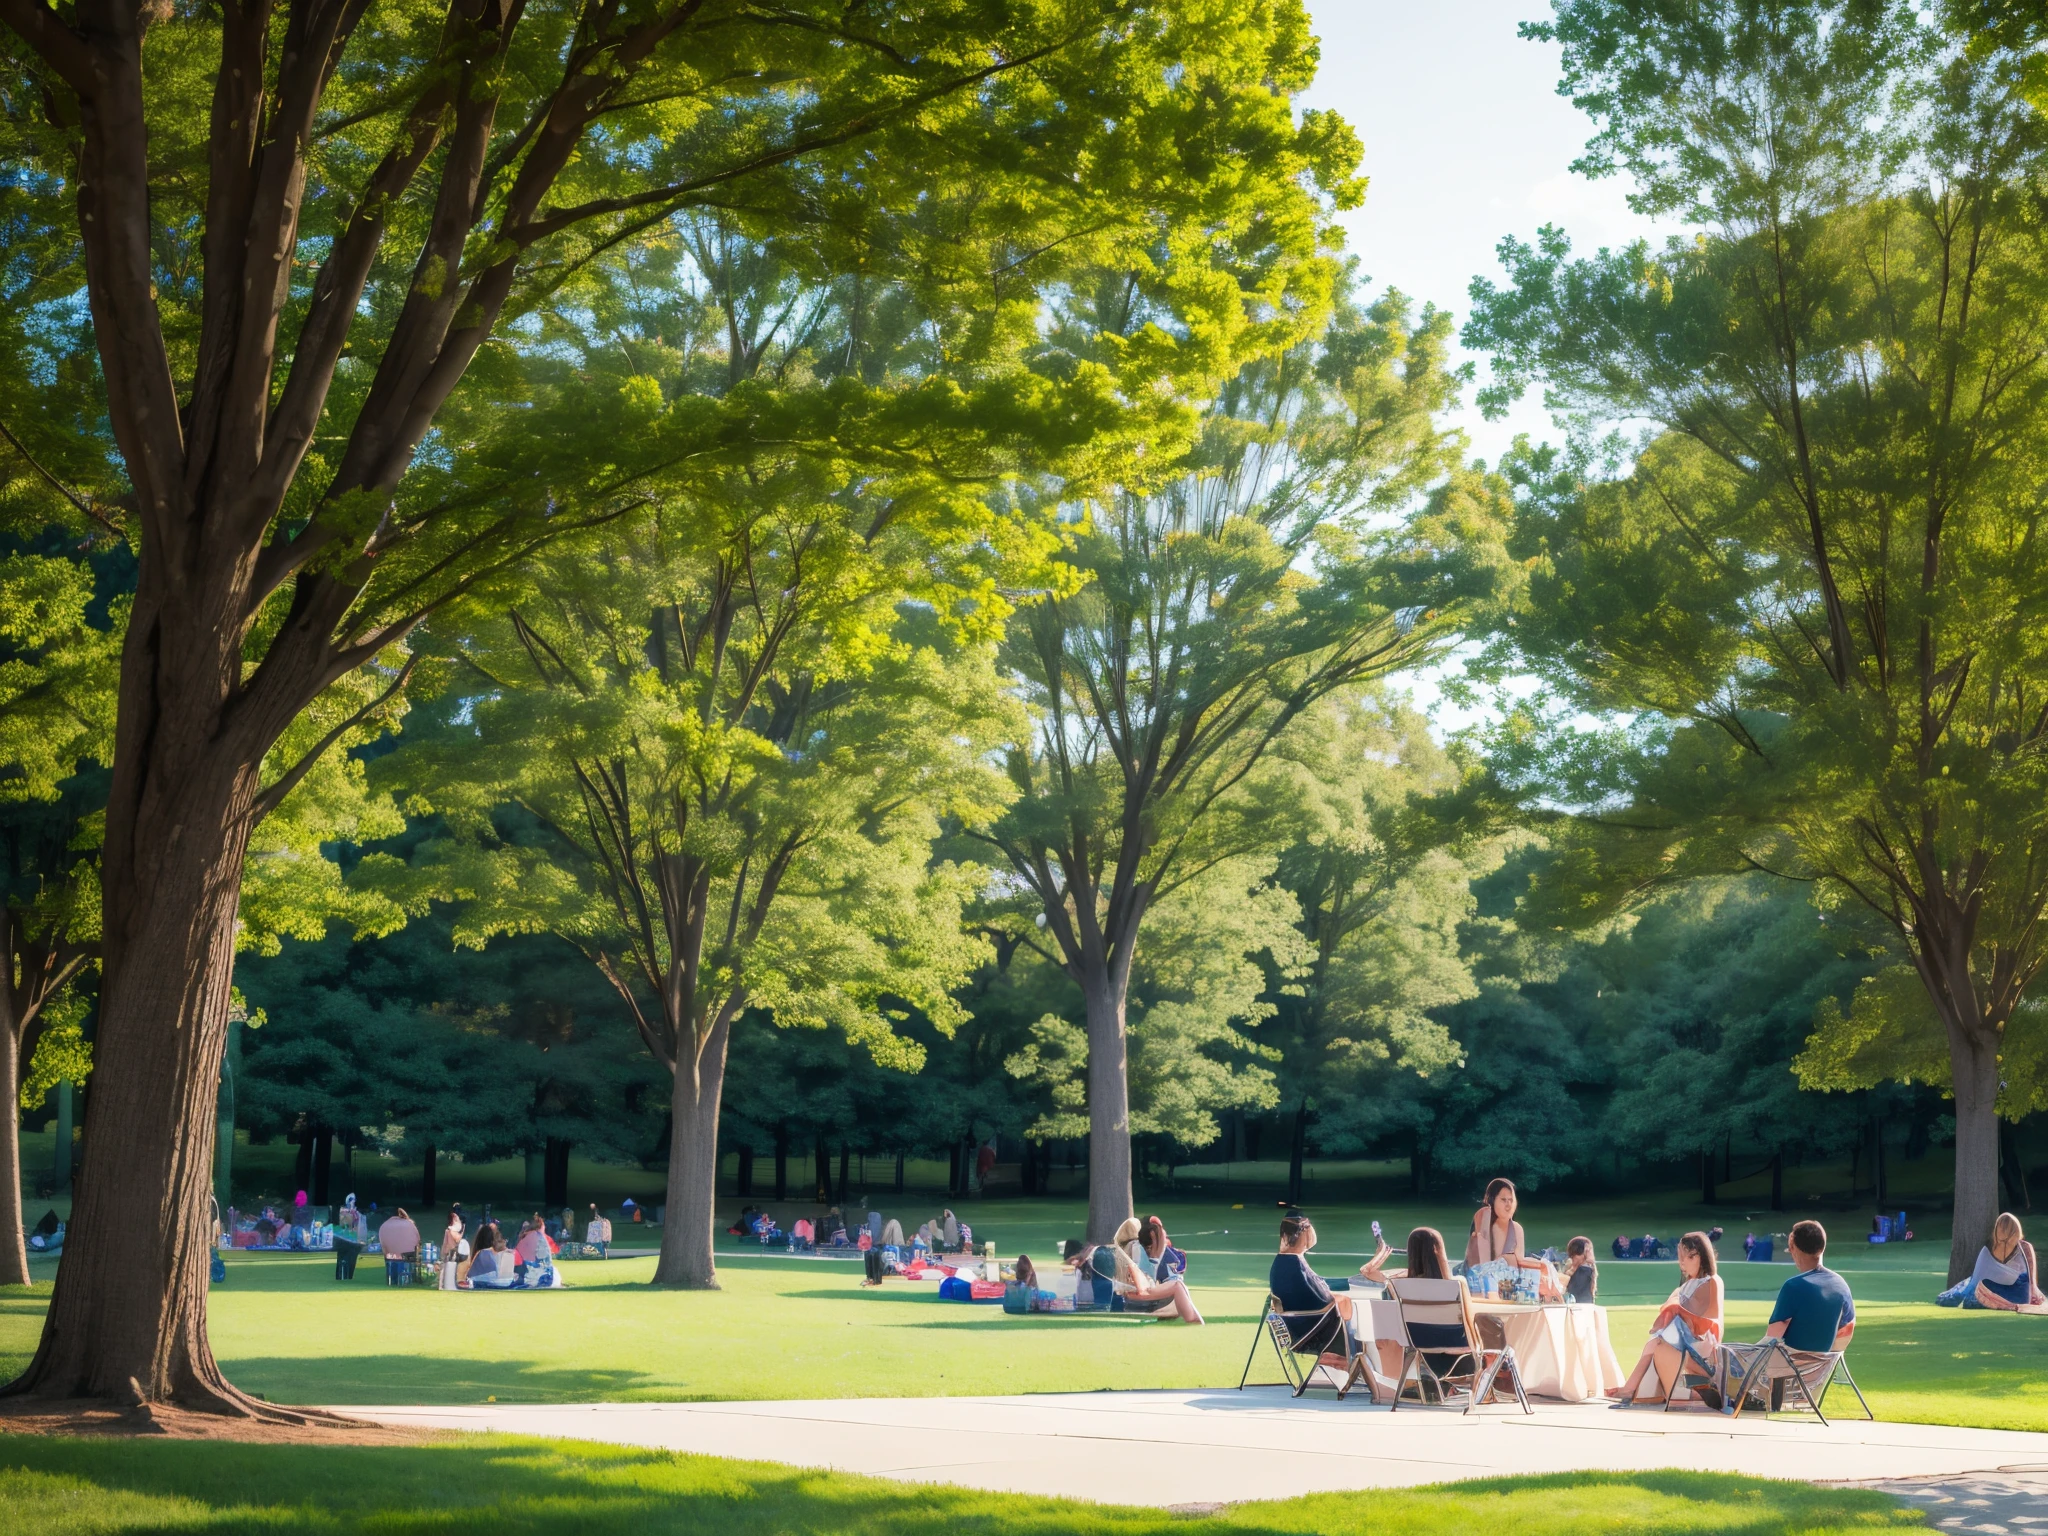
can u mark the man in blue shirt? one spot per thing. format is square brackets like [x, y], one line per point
[1814, 1314]
[1815, 1311]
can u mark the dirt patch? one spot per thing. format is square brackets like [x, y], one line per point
[28, 1417]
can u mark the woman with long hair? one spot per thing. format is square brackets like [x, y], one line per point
[1689, 1323]
[1135, 1283]
[2005, 1277]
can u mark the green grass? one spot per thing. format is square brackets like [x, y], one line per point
[76, 1487]
[793, 1328]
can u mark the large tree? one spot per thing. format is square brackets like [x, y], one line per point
[302, 225]
[713, 756]
[1821, 577]
[1382, 872]
[1211, 609]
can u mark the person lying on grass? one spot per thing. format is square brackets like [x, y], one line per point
[2005, 1278]
[1687, 1326]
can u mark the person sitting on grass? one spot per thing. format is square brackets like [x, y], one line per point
[492, 1267]
[2005, 1278]
[1581, 1274]
[1166, 1261]
[1687, 1327]
[1142, 1293]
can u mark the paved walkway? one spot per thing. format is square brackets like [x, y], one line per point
[1188, 1448]
[1979, 1506]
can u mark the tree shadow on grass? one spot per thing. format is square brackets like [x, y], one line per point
[369, 1379]
[512, 1486]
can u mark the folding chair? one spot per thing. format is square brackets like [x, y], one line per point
[1756, 1370]
[1437, 1308]
[1301, 1333]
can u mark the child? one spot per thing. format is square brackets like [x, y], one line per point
[1581, 1274]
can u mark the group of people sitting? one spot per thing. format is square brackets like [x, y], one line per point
[944, 1233]
[1815, 1311]
[1138, 1270]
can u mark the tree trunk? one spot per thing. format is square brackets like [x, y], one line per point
[845, 1159]
[1028, 1169]
[745, 1175]
[782, 1161]
[61, 1151]
[1110, 1202]
[953, 1170]
[1297, 1152]
[1974, 1063]
[1778, 1184]
[302, 1165]
[1877, 1156]
[129, 1315]
[2010, 1168]
[555, 1174]
[224, 1118]
[323, 1165]
[821, 1169]
[535, 1187]
[430, 1171]
[688, 1230]
[13, 1240]
[1706, 1176]
[899, 1173]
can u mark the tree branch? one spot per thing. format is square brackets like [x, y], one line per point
[271, 798]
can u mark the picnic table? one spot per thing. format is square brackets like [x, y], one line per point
[1563, 1350]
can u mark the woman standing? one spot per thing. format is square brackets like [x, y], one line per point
[454, 1249]
[1688, 1325]
[351, 1232]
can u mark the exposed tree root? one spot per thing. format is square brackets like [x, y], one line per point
[276, 1426]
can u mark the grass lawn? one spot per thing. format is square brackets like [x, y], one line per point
[59, 1487]
[805, 1328]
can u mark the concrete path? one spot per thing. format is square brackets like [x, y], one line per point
[1190, 1448]
[1979, 1506]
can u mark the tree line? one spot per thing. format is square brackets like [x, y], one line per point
[861, 519]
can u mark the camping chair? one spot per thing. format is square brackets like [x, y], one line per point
[1439, 1306]
[1753, 1372]
[1302, 1333]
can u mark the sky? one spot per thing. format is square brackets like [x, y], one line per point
[1466, 140]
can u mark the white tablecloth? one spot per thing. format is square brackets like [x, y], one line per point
[1563, 1351]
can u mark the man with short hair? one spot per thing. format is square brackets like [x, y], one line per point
[1815, 1313]
[399, 1240]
